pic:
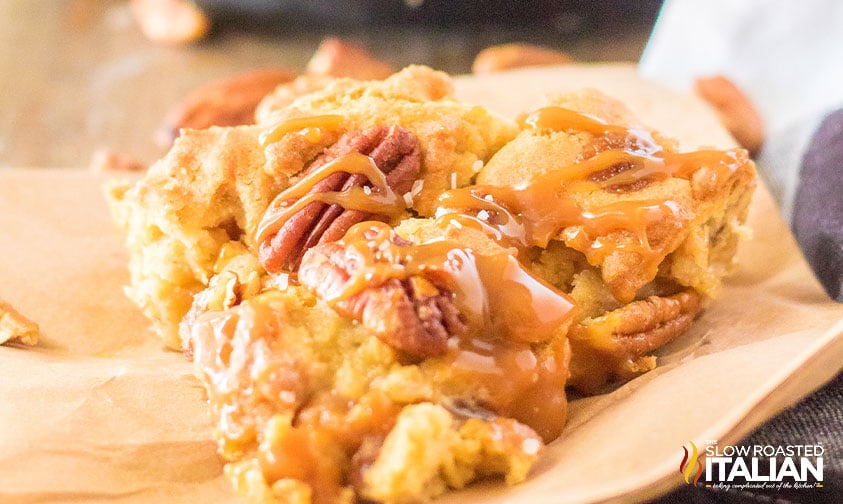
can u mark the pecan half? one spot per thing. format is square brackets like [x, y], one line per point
[108, 160]
[341, 58]
[228, 102]
[737, 113]
[408, 313]
[616, 344]
[395, 152]
[507, 56]
[170, 21]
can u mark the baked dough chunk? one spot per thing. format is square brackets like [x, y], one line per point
[214, 186]
[645, 231]
[455, 138]
[209, 190]
[312, 408]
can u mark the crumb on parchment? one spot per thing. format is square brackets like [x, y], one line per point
[14, 327]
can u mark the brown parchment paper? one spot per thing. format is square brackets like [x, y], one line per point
[98, 411]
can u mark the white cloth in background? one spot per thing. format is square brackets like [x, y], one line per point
[787, 56]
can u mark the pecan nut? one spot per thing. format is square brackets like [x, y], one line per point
[507, 56]
[616, 344]
[395, 153]
[228, 102]
[170, 21]
[341, 58]
[736, 110]
[108, 160]
[407, 312]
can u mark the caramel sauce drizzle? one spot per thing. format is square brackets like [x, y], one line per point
[537, 210]
[474, 207]
[521, 381]
[512, 349]
[379, 199]
[494, 291]
[507, 311]
[308, 126]
[560, 119]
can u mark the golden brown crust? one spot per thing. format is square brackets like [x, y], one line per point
[215, 184]
[209, 190]
[710, 199]
[285, 94]
[455, 138]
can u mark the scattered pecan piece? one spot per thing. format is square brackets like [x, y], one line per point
[410, 314]
[170, 21]
[228, 102]
[341, 58]
[736, 110]
[395, 152]
[16, 327]
[508, 56]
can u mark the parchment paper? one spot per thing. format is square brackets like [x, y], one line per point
[99, 411]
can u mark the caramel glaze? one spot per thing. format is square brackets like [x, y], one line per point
[548, 206]
[257, 383]
[378, 199]
[514, 348]
[326, 437]
[309, 126]
[513, 352]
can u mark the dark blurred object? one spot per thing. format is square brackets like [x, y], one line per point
[818, 207]
[567, 16]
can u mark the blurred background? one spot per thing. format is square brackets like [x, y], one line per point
[79, 75]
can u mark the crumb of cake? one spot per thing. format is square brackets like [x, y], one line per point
[15, 327]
